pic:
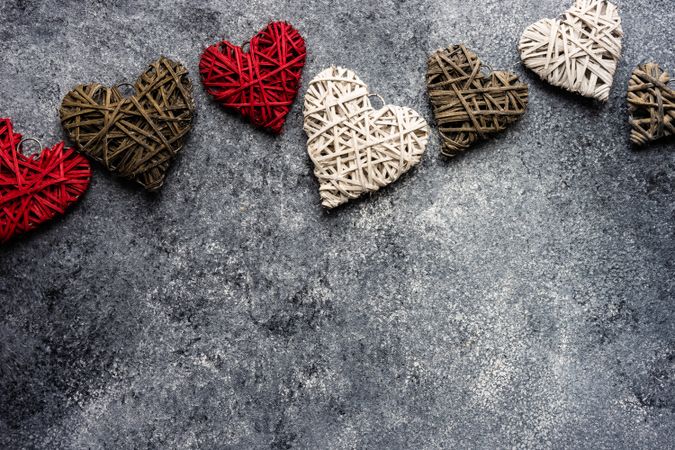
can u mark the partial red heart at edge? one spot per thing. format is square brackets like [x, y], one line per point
[262, 83]
[37, 188]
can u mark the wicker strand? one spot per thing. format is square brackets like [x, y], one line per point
[469, 105]
[134, 137]
[651, 104]
[579, 51]
[36, 188]
[355, 148]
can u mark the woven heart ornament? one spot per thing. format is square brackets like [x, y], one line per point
[579, 51]
[651, 104]
[468, 104]
[262, 83]
[134, 137]
[354, 147]
[36, 188]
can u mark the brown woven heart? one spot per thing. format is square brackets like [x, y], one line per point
[468, 104]
[134, 137]
[651, 104]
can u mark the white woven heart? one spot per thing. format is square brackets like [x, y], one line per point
[355, 148]
[579, 51]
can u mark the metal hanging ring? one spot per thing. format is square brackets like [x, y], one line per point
[378, 96]
[486, 70]
[119, 85]
[20, 146]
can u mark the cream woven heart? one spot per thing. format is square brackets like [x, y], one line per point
[579, 51]
[355, 148]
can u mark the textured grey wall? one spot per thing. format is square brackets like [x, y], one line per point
[521, 294]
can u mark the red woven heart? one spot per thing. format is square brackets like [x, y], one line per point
[262, 83]
[35, 189]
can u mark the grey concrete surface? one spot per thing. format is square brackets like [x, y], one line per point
[521, 295]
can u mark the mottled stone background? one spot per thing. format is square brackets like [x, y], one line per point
[520, 295]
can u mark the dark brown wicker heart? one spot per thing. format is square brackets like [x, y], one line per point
[651, 104]
[134, 137]
[468, 104]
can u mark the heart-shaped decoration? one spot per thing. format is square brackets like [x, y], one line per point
[36, 188]
[134, 137]
[354, 147]
[579, 51]
[262, 83]
[651, 104]
[469, 105]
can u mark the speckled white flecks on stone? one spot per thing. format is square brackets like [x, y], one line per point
[520, 295]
